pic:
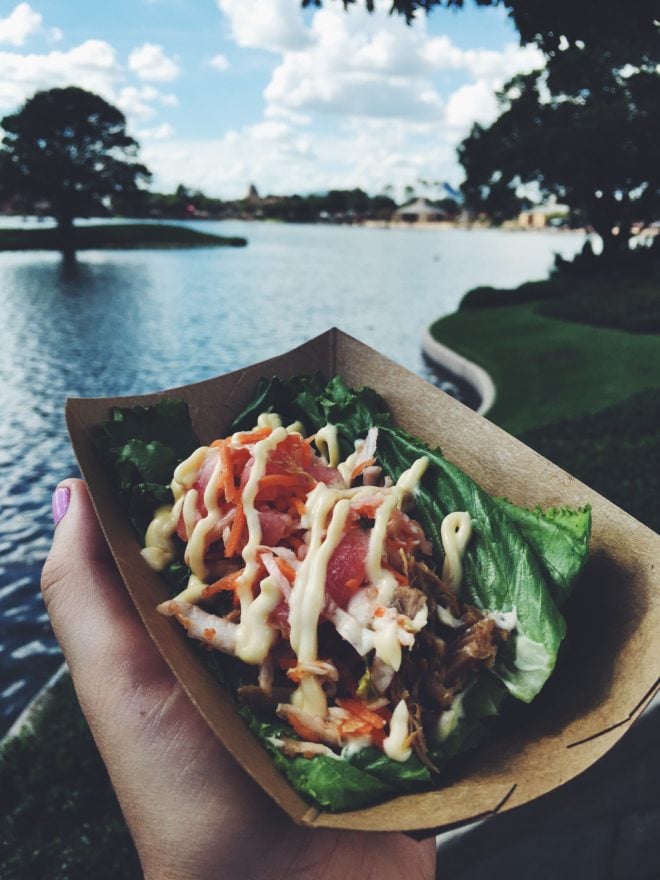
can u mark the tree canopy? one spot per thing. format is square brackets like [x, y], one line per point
[585, 132]
[549, 23]
[69, 147]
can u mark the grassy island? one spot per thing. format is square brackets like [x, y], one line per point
[108, 236]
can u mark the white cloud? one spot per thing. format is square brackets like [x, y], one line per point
[19, 24]
[92, 65]
[473, 102]
[161, 132]
[138, 101]
[352, 100]
[275, 25]
[375, 66]
[151, 63]
[219, 62]
[279, 158]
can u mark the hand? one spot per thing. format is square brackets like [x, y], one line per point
[191, 809]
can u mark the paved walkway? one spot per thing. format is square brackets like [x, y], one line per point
[604, 825]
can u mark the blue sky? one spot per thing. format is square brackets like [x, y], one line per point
[224, 93]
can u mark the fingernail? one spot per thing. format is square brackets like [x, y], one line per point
[61, 498]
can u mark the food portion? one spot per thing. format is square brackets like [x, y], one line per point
[368, 604]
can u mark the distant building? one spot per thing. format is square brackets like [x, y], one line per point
[542, 216]
[419, 211]
[253, 195]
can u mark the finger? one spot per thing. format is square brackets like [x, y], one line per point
[92, 615]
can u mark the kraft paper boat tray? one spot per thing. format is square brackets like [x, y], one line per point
[609, 669]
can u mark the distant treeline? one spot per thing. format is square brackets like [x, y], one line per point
[335, 206]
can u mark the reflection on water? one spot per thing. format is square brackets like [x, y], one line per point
[130, 322]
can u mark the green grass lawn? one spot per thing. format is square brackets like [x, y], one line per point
[577, 370]
[111, 235]
[549, 368]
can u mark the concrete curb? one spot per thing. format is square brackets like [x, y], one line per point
[33, 709]
[463, 368]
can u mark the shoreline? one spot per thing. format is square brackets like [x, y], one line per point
[464, 369]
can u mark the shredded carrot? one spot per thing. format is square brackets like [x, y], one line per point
[228, 582]
[304, 732]
[401, 578]
[236, 533]
[354, 726]
[352, 584]
[357, 470]
[288, 571]
[367, 508]
[231, 493]
[298, 505]
[358, 708]
[287, 481]
[253, 436]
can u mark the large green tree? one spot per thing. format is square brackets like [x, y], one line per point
[69, 147]
[585, 131]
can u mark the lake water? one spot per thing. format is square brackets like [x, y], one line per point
[125, 322]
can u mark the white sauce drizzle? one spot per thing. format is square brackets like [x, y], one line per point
[406, 484]
[159, 548]
[455, 532]
[269, 420]
[254, 635]
[506, 620]
[327, 443]
[197, 540]
[450, 718]
[244, 583]
[397, 744]
[308, 594]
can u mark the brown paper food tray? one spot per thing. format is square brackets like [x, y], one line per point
[609, 669]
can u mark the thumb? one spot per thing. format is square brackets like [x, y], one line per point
[92, 615]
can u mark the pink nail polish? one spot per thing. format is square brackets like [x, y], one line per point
[61, 498]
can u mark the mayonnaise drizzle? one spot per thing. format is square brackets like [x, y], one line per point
[260, 452]
[159, 548]
[455, 532]
[327, 443]
[397, 744]
[406, 484]
[308, 594]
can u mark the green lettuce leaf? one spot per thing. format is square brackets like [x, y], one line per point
[142, 446]
[340, 783]
[310, 400]
[559, 537]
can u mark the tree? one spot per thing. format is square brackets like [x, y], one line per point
[584, 131]
[70, 148]
[549, 23]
